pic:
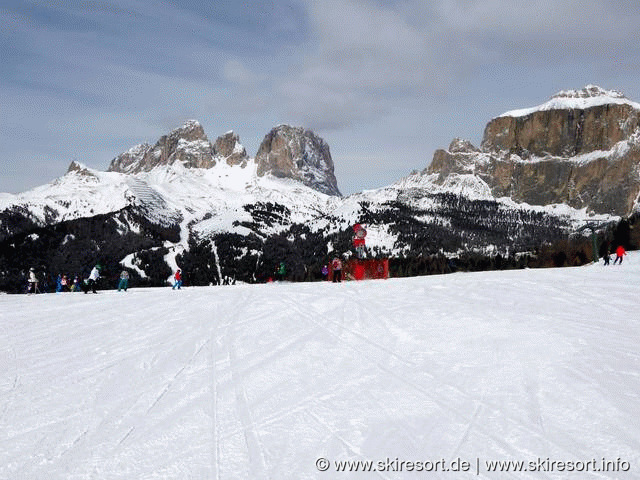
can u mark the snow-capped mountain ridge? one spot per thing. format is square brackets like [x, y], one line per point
[587, 97]
[285, 152]
[187, 144]
[188, 201]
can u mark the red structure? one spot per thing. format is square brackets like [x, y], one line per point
[363, 269]
[359, 268]
[359, 234]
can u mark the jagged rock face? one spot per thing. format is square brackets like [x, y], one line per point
[607, 183]
[229, 148]
[187, 144]
[586, 158]
[79, 169]
[603, 185]
[570, 123]
[292, 152]
[562, 133]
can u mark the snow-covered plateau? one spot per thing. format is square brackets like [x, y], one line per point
[282, 381]
[588, 97]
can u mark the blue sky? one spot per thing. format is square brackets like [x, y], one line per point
[385, 83]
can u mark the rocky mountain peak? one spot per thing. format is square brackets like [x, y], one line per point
[459, 145]
[579, 148]
[79, 169]
[299, 154]
[590, 91]
[572, 122]
[229, 148]
[187, 144]
[190, 130]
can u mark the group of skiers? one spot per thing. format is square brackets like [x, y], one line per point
[620, 252]
[63, 283]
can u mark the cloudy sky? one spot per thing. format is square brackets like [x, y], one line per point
[385, 83]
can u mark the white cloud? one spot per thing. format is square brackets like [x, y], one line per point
[351, 69]
[362, 59]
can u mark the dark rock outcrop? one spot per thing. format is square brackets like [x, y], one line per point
[299, 154]
[79, 169]
[229, 148]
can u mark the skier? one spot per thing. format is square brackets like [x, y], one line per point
[178, 280]
[124, 281]
[620, 252]
[606, 257]
[76, 284]
[59, 283]
[281, 271]
[90, 283]
[325, 272]
[336, 265]
[33, 281]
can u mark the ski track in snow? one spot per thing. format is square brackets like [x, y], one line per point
[259, 381]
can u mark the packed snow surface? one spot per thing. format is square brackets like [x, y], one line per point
[262, 381]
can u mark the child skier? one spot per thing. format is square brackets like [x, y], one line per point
[33, 281]
[124, 281]
[281, 272]
[325, 272]
[178, 280]
[336, 265]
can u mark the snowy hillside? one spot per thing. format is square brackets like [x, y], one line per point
[262, 381]
[188, 192]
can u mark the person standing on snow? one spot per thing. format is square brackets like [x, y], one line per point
[93, 279]
[281, 272]
[33, 281]
[336, 265]
[124, 281]
[178, 280]
[325, 272]
[620, 252]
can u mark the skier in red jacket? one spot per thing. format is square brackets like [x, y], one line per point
[336, 266]
[620, 252]
[178, 279]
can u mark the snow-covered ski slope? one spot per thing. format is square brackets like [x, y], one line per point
[259, 382]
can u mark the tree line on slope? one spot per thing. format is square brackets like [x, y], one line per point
[484, 235]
